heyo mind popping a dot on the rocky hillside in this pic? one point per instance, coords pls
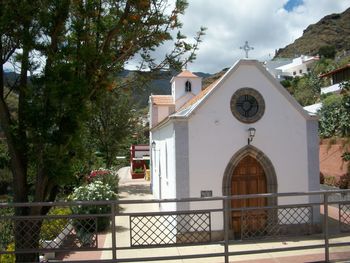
(332, 30)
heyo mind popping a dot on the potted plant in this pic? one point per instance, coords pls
(138, 170)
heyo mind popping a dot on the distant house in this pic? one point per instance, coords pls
(298, 67)
(338, 75)
(273, 65)
(314, 108)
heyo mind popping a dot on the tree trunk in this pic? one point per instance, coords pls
(18, 171)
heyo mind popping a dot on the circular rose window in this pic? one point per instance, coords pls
(247, 105)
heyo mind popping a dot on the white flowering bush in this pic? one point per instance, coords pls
(106, 176)
(95, 191)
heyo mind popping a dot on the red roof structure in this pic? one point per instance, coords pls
(162, 100)
(187, 74)
(330, 73)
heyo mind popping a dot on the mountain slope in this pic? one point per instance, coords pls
(159, 86)
(332, 30)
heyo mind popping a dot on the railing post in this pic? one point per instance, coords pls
(114, 232)
(226, 214)
(325, 226)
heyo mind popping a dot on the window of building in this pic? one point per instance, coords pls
(294, 73)
(300, 71)
(188, 86)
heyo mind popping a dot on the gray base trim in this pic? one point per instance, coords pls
(182, 163)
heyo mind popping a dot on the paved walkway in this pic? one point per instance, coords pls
(139, 189)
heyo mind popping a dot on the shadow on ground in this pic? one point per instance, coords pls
(121, 229)
(138, 189)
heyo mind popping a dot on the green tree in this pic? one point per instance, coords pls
(306, 89)
(335, 123)
(327, 52)
(73, 50)
(111, 123)
(335, 115)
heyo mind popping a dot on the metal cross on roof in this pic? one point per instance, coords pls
(246, 48)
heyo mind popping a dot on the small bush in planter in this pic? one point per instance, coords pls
(95, 191)
(138, 170)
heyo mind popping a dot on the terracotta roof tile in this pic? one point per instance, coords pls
(162, 100)
(187, 74)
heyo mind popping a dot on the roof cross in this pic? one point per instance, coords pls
(246, 48)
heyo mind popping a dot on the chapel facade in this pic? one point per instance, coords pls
(243, 134)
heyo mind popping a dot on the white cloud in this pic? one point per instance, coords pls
(265, 24)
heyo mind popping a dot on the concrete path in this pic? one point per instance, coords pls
(129, 189)
(139, 189)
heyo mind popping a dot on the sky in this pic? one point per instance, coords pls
(267, 25)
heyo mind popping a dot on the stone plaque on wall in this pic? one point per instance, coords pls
(206, 193)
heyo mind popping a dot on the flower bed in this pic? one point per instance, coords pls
(106, 176)
(94, 191)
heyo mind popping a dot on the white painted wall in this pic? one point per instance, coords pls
(178, 86)
(299, 66)
(163, 166)
(215, 135)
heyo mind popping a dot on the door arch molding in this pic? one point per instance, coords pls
(249, 150)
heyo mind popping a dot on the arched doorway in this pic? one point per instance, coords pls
(248, 178)
(260, 178)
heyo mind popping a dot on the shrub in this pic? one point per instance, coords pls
(51, 228)
(327, 51)
(330, 180)
(6, 229)
(335, 114)
(106, 176)
(95, 191)
(344, 181)
(8, 258)
(346, 156)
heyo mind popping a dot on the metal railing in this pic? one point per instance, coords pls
(212, 226)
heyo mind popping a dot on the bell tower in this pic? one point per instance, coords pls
(184, 87)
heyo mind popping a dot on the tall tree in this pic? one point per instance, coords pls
(112, 120)
(76, 48)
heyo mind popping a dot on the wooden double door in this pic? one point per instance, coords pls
(249, 178)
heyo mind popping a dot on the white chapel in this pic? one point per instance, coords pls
(243, 134)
